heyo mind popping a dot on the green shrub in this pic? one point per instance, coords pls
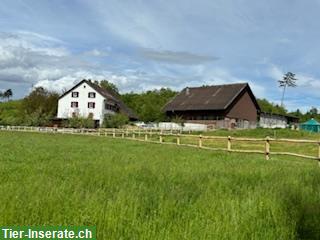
(80, 122)
(115, 120)
(37, 118)
(178, 120)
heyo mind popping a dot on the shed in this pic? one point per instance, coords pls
(311, 125)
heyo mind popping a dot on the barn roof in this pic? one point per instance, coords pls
(109, 94)
(217, 97)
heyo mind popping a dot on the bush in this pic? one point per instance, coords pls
(80, 122)
(37, 118)
(115, 120)
(178, 120)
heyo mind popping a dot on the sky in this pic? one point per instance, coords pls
(148, 44)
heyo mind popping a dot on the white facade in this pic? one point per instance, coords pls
(272, 121)
(67, 110)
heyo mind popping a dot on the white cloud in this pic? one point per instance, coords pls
(184, 58)
(96, 53)
(275, 72)
(42, 61)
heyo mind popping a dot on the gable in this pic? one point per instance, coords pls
(79, 85)
(243, 108)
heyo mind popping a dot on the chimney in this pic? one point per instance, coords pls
(187, 91)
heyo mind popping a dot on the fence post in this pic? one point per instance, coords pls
(319, 153)
(133, 135)
(146, 137)
(160, 137)
(200, 141)
(229, 143)
(178, 139)
(114, 133)
(122, 135)
(267, 148)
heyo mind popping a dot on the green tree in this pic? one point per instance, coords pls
(105, 84)
(288, 80)
(148, 105)
(40, 103)
(7, 94)
(270, 107)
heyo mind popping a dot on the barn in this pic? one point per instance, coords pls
(218, 106)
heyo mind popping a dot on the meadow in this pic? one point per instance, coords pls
(137, 190)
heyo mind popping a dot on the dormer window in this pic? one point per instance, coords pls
(75, 94)
(91, 95)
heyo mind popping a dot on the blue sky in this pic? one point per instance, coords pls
(141, 45)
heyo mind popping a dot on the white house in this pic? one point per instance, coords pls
(88, 99)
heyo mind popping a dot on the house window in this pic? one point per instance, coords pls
(91, 104)
(74, 104)
(111, 107)
(91, 95)
(75, 94)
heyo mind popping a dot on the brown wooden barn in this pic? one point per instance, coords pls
(219, 106)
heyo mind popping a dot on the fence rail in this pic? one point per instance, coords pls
(155, 136)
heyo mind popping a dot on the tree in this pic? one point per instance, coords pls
(270, 107)
(105, 84)
(42, 102)
(288, 80)
(313, 111)
(148, 105)
(7, 94)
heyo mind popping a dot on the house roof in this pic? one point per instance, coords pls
(217, 97)
(109, 94)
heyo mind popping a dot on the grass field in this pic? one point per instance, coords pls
(310, 149)
(135, 190)
(264, 132)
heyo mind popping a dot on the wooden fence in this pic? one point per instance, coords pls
(155, 136)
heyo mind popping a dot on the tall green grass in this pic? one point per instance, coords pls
(264, 132)
(134, 190)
